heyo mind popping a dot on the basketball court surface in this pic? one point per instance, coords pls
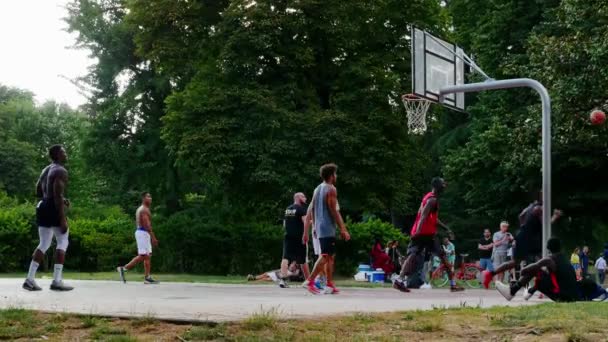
(215, 302)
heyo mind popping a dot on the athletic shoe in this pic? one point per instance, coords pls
(305, 284)
(283, 284)
(121, 271)
(400, 285)
(149, 280)
(60, 286)
(312, 288)
(331, 289)
(456, 288)
(250, 277)
(426, 286)
(504, 290)
(31, 285)
(601, 298)
(527, 295)
(486, 278)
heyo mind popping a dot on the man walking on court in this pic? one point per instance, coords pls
(293, 248)
(324, 211)
(51, 219)
(424, 237)
(527, 242)
(145, 238)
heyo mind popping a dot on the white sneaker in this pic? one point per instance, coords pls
(283, 284)
(504, 290)
(527, 295)
(601, 298)
(426, 286)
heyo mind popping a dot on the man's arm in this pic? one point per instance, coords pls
(308, 218)
(425, 213)
(332, 201)
(58, 190)
(556, 215)
(39, 192)
(499, 242)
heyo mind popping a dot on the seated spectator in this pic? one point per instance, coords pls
(380, 259)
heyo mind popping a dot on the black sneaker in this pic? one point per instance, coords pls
(149, 280)
(60, 286)
(283, 284)
(31, 285)
(121, 271)
(400, 285)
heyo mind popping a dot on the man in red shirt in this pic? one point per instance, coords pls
(424, 237)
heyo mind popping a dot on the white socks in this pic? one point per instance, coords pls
(31, 274)
(58, 274)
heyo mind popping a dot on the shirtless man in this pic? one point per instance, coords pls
(145, 240)
(51, 219)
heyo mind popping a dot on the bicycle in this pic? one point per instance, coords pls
(469, 273)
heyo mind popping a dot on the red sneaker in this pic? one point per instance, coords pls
(312, 288)
(330, 288)
(486, 278)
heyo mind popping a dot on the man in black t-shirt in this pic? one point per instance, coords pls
(485, 247)
(293, 247)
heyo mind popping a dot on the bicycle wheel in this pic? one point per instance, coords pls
(439, 278)
(472, 276)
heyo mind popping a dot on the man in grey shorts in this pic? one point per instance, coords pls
(326, 216)
(501, 240)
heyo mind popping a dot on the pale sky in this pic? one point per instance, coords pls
(35, 50)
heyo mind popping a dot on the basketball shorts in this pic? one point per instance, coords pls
(328, 245)
(294, 250)
(144, 242)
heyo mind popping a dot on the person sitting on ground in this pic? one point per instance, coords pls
(380, 259)
(293, 274)
(555, 278)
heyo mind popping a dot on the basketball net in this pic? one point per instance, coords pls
(416, 108)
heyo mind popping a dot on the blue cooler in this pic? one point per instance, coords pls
(376, 277)
(365, 268)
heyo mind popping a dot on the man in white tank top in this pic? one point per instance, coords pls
(145, 240)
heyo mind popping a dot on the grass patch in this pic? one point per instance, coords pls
(104, 332)
(427, 326)
(89, 321)
(261, 320)
(205, 333)
(148, 319)
(550, 321)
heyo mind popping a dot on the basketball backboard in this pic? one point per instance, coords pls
(436, 64)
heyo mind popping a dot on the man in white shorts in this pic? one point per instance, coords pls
(51, 219)
(145, 239)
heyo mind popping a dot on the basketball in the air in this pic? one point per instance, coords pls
(597, 117)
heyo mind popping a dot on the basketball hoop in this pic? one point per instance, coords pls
(416, 108)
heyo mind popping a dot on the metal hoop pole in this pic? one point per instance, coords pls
(546, 134)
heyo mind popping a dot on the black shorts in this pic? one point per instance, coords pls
(328, 245)
(46, 214)
(425, 243)
(294, 250)
(527, 247)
